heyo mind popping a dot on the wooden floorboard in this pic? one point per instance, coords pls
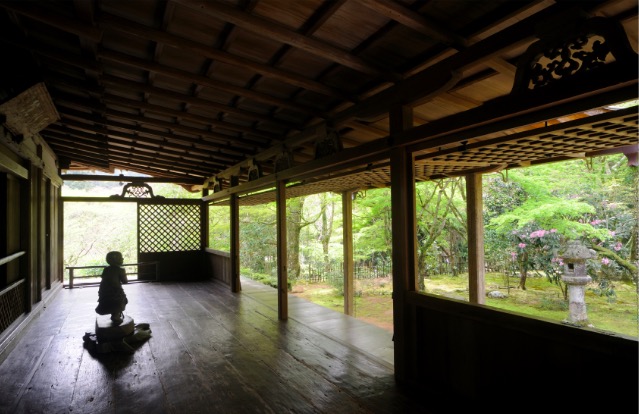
(211, 351)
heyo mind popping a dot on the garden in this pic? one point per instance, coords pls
(529, 215)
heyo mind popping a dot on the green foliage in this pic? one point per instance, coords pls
(174, 191)
(441, 227)
(501, 196)
(372, 224)
(547, 212)
(258, 239)
(220, 228)
(263, 278)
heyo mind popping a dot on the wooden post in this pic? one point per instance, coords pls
(282, 260)
(475, 225)
(404, 243)
(60, 235)
(204, 225)
(234, 248)
(27, 238)
(347, 219)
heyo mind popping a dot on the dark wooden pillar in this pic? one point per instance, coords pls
(403, 244)
(60, 234)
(282, 260)
(475, 225)
(347, 219)
(204, 222)
(49, 209)
(28, 234)
(234, 248)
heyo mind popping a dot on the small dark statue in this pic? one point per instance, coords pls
(111, 297)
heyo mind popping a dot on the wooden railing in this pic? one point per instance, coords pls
(11, 257)
(219, 265)
(73, 276)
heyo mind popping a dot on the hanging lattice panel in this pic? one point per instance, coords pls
(168, 227)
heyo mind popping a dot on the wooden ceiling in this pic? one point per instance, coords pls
(195, 92)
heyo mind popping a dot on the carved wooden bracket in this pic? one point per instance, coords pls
(329, 144)
(254, 170)
(572, 46)
(283, 161)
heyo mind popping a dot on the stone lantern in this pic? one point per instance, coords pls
(575, 277)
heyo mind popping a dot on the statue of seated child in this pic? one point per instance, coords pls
(111, 297)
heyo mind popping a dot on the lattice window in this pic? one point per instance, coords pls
(168, 227)
(11, 305)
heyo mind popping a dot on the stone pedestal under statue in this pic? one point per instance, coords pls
(110, 336)
(106, 330)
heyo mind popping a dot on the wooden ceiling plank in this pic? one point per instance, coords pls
(134, 29)
(70, 25)
(124, 84)
(432, 29)
(55, 54)
(62, 134)
(74, 102)
(131, 103)
(162, 142)
(284, 35)
(204, 81)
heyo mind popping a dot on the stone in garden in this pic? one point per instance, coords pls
(495, 294)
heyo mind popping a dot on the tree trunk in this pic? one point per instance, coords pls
(327, 228)
(294, 228)
(523, 271)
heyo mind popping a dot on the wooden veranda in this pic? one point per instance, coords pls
(253, 101)
(211, 351)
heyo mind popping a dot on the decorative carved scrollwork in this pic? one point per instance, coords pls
(571, 47)
(329, 144)
(136, 190)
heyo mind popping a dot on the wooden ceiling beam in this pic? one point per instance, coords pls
(133, 29)
(176, 144)
(161, 151)
(71, 117)
(432, 29)
(412, 89)
(126, 85)
(417, 22)
(127, 178)
(37, 12)
(83, 104)
(162, 164)
(208, 122)
(281, 34)
(163, 161)
(133, 152)
(57, 55)
(206, 82)
(73, 151)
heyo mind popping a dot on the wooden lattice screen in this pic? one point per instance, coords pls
(11, 304)
(168, 227)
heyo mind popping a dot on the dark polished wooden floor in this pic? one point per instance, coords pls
(211, 351)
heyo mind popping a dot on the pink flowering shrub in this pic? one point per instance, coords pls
(536, 251)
